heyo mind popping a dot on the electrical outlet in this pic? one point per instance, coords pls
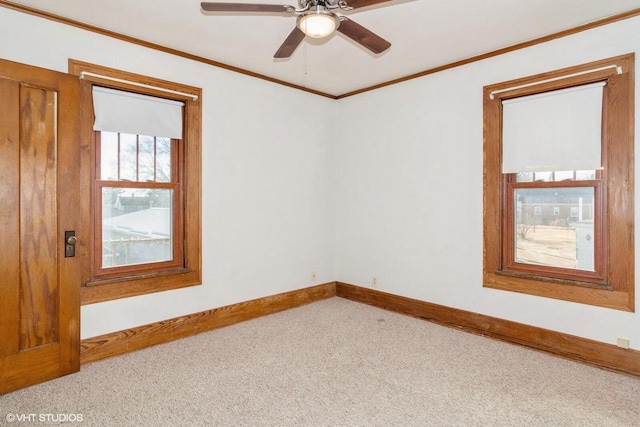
(313, 276)
(374, 282)
(623, 343)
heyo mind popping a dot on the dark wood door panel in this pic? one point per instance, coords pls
(39, 196)
(37, 210)
(9, 220)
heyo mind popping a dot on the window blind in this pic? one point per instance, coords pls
(553, 131)
(126, 112)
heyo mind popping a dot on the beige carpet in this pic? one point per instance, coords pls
(334, 363)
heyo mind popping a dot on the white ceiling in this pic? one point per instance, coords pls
(424, 33)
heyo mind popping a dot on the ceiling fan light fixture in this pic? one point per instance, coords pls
(318, 23)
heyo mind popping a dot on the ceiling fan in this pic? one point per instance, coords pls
(315, 19)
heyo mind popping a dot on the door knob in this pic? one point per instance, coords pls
(70, 241)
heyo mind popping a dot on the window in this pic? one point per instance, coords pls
(558, 184)
(143, 173)
(138, 203)
(574, 213)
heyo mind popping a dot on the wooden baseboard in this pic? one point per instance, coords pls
(101, 347)
(580, 349)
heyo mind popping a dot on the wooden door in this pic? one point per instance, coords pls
(39, 197)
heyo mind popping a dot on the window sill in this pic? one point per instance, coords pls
(567, 290)
(101, 290)
(556, 280)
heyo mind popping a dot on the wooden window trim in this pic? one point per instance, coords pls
(617, 289)
(95, 289)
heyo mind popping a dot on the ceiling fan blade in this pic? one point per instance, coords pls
(364, 3)
(360, 34)
(290, 44)
(245, 7)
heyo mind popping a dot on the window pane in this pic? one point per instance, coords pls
(524, 177)
(584, 175)
(580, 175)
(554, 227)
(136, 226)
(109, 156)
(128, 157)
(163, 159)
(146, 159)
(563, 175)
(543, 176)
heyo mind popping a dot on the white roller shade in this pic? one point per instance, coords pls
(553, 131)
(126, 112)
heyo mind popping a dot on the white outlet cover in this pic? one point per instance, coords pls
(623, 343)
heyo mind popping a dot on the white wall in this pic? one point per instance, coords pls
(410, 188)
(268, 183)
